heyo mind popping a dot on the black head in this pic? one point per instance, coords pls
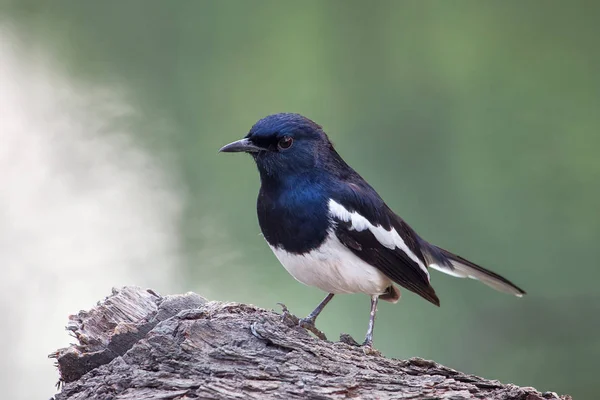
(284, 144)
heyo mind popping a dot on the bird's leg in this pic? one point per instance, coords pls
(313, 315)
(309, 322)
(369, 337)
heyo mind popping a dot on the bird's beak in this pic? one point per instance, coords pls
(244, 145)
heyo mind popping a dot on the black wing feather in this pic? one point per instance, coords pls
(394, 263)
(356, 195)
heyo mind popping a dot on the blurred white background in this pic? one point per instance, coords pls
(82, 208)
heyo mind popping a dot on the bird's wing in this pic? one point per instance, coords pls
(374, 233)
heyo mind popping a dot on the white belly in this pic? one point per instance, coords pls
(333, 268)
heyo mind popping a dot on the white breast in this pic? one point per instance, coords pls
(333, 268)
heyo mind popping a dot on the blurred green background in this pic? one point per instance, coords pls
(478, 122)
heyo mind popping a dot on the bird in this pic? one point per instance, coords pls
(330, 229)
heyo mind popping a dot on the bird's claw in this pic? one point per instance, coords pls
(287, 317)
(305, 323)
(309, 325)
(367, 348)
(370, 351)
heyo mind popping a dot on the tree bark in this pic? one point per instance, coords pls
(137, 345)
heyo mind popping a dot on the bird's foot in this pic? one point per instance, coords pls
(287, 317)
(305, 323)
(370, 351)
(367, 348)
(309, 325)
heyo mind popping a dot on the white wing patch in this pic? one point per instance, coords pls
(390, 239)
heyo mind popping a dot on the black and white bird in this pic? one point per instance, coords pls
(330, 229)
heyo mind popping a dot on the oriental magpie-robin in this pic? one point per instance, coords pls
(330, 229)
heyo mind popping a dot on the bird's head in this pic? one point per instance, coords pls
(284, 145)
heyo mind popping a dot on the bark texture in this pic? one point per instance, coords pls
(138, 345)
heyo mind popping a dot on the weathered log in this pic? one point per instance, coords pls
(137, 345)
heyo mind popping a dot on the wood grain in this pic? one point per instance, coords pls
(137, 345)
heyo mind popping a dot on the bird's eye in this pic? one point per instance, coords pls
(285, 143)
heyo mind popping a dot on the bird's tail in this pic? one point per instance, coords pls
(454, 265)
